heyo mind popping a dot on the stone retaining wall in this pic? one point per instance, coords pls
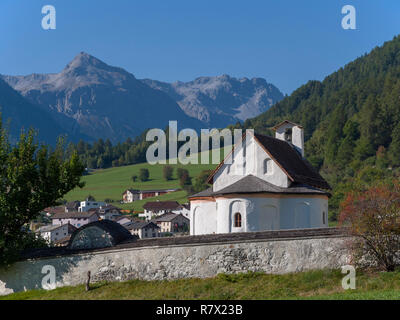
(271, 252)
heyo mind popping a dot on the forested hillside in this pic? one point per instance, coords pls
(351, 120)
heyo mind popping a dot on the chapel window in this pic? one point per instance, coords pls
(238, 220)
(267, 165)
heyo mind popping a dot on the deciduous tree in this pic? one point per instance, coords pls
(32, 177)
(373, 218)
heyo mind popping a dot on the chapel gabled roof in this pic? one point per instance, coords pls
(253, 184)
(297, 168)
(284, 122)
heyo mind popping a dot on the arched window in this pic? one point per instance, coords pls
(267, 166)
(238, 220)
(323, 218)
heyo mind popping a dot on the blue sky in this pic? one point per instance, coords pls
(288, 42)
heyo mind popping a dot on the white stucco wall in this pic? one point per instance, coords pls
(258, 214)
(203, 218)
(254, 165)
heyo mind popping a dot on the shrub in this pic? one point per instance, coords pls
(144, 174)
(167, 172)
(373, 218)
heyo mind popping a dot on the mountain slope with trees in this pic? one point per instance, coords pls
(351, 119)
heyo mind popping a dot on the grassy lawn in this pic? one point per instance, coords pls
(111, 183)
(322, 284)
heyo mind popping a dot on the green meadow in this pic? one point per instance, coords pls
(321, 284)
(111, 183)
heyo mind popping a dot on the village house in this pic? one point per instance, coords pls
(157, 208)
(107, 212)
(267, 184)
(125, 219)
(144, 229)
(72, 206)
(62, 242)
(86, 205)
(54, 233)
(132, 195)
(53, 210)
(172, 223)
(77, 219)
(183, 209)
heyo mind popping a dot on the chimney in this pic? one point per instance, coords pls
(292, 133)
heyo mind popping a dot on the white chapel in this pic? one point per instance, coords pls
(267, 184)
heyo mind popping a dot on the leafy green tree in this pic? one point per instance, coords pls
(32, 178)
(90, 198)
(180, 172)
(134, 178)
(395, 146)
(185, 179)
(144, 174)
(200, 183)
(168, 172)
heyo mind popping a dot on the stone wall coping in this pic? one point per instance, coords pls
(189, 241)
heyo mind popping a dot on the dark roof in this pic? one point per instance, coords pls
(141, 225)
(54, 210)
(110, 207)
(73, 215)
(252, 184)
(132, 191)
(161, 205)
(51, 227)
(166, 217)
(117, 232)
(64, 241)
(285, 121)
(298, 169)
(73, 205)
(105, 209)
(152, 190)
(127, 217)
(186, 206)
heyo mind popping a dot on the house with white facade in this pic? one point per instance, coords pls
(54, 233)
(143, 229)
(172, 223)
(265, 183)
(126, 219)
(86, 205)
(107, 212)
(183, 209)
(132, 195)
(77, 219)
(158, 208)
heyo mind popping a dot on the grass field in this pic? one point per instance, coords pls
(111, 183)
(325, 284)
